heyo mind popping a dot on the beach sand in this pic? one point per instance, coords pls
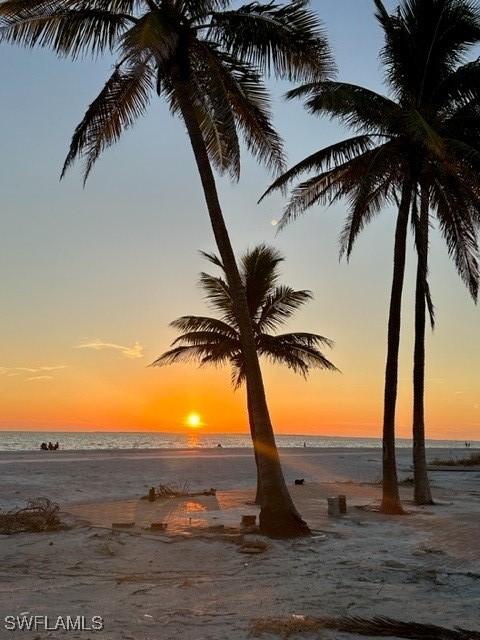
(189, 583)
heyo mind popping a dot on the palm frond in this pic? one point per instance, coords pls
(298, 351)
(123, 99)
(242, 88)
(461, 86)
(279, 305)
(425, 42)
(68, 32)
(325, 188)
(459, 228)
(214, 111)
(217, 293)
(151, 35)
(187, 324)
(200, 9)
(287, 40)
(358, 108)
(374, 180)
(374, 627)
(430, 305)
(322, 160)
(213, 258)
(259, 271)
(375, 168)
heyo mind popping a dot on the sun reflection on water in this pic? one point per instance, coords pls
(193, 439)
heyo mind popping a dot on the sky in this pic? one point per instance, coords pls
(91, 278)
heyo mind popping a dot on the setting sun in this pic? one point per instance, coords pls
(193, 420)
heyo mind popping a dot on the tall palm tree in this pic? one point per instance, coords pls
(206, 60)
(216, 341)
(399, 143)
(426, 42)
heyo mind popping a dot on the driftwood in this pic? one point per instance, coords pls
(377, 627)
(175, 491)
(40, 514)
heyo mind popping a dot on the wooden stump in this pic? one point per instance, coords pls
(248, 521)
(333, 507)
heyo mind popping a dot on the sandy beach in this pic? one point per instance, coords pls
(193, 583)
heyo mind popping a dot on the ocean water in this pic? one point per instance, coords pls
(31, 440)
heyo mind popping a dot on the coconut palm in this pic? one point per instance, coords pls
(217, 341)
(206, 59)
(438, 33)
(400, 147)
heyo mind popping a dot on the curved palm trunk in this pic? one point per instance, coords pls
(258, 493)
(422, 493)
(278, 516)
(391, 497)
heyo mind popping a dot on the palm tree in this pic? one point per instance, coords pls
(217, 341)
(399, 145)
(438, 33)
(206, 60)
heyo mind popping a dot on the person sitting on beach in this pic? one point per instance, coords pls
(56, 446)
(43, 446)
(50, 446)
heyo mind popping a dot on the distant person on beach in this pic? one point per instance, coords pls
(43, 446)
(219, 445)
(56, 446)
(50, 446)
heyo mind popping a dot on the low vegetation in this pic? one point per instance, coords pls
(40, 514)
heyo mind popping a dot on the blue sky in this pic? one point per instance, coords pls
(118, 260)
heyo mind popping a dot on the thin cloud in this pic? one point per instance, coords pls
(133, 352)
(43, 371)
(8, 372)
(38, 369)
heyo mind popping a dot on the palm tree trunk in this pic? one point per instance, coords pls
(258, 493)
(422, 493)
(391, 497)
(278, 516)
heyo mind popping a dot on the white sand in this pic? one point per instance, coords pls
(423, 567)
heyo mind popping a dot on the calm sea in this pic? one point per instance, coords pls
(31, 440)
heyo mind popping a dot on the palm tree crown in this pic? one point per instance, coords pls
(219, 51)
(426, 132)
(217, 340)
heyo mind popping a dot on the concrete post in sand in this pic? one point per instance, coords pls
(248, 521)
(333, 507)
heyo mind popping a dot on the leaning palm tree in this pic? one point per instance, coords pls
(216, 341)
(206, 59)
(398, 144)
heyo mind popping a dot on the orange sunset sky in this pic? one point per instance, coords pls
(91, 278)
